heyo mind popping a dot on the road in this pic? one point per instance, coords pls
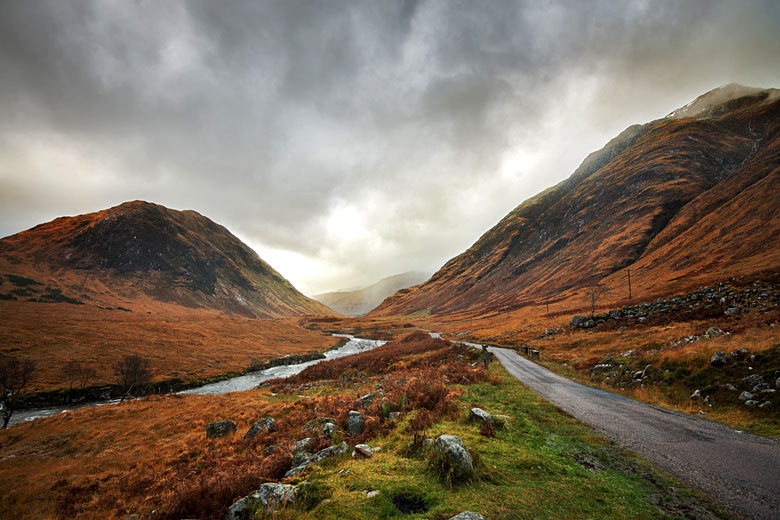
(742, 470)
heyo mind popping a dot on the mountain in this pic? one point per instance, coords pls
(140, 251)
(360, 301)
(685, 199)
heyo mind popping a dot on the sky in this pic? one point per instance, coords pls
(344, 141)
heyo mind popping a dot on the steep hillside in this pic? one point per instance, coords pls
(360, 301)
(139, 251)
(693, 196)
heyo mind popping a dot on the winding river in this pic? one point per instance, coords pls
(235, 384)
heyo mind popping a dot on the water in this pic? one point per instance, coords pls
(235, 384)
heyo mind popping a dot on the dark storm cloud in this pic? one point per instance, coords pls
(346, 141)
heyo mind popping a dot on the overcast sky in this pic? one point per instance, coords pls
(344, 141)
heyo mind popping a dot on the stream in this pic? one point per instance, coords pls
(235, 384)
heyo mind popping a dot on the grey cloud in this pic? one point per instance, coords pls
(272, 117)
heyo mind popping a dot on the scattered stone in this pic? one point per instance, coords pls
(271, 496)
(328, 428)
(765, 404)
(745, 396)
(695, 395)
(731, 387)
(577, 321)
(301, 458)
(355, 423)
(480, 415)
(777, 383)
(713, 331)
(321, 455)
(396, 415)
(427, 443)
(719, 359)
(303, 445)
(751, 403)
(468, 515)
(376, 449)
(731, 311)
(760, 386)
(454, 452)
(372, 494)
(219, 429)
(362, 451)
(740, 353)
(641, 319)
(708, 400)
(752, 380)
(266, 424)
(367, 399)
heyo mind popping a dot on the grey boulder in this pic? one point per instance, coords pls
(719, 359)
(270, 496)
(355, 423)
(455, 454)
(468, 515)
(266, 424)
(480, 415)
(219, 429)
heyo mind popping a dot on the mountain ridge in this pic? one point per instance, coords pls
(360, 301)
(143, 249)
(620, 205)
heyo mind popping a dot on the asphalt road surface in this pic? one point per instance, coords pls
(742, 470)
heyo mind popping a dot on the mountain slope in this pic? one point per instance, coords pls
(693, 194)
(140, 250)
(360, 301)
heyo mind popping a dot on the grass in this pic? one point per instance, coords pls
(542, 464)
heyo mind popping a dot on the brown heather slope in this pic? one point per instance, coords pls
(680, 201)
(137, 252)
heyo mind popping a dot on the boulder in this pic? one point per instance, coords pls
(480, 415)
(362, 451)
(321, 455)
(752, 380)
(740, 353)
(367, 399)
(219, 429)
(777, 383)
(760, 386)
(714, 331)
(745, 396)
(356, 424)
(731, 387)
(266, 424)
(719, 359)
(328, 428)
(751, 403)
(455, 455)
(577, 321)
(468, 515)
(271, 496)
(695, 395)
(303, 445)
(731, 311)
(765, 404)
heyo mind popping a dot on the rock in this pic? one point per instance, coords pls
(362, 451)
(745, 396)
(328, 428)
(427, 443)
(303, 445)
(731, 387)
(765, 404)
(367, 399)
(751, 403)
(761, 386)
(714, 331)
(455, 454)
(372, 494)
(777, 383)
(356, 424)
(588, 324)
(740, 353)
(270, 496)
(577, 321)
(468, 515)
(615, 314)
(331, 451)
(719, 359)
(695, 395)
(708, 400)
(752, 380)
(480, 415)
(731, 311)
(396, 415)
(266, 424)
(641, 319)
(301, 458)
(219, 429)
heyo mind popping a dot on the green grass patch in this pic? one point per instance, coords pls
(21, 281)
(541, 463)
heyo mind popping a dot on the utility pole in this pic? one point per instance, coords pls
(629, 284)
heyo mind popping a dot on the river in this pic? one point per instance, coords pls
(235, 384)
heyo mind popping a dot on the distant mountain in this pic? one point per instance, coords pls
(690, 197)
(360, 301)
(142, 251)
